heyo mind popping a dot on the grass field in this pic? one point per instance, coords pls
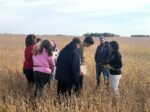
(134, 84)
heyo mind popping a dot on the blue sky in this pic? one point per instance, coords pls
(75, 17)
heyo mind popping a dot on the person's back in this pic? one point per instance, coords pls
(43, 62)
(116, 63)
(66, 61)
(28, 63)
(68, 69)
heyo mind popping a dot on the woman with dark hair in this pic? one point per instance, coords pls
(30, 40)
(28, 63)
(115, 66)
(44, 63)
(68, 68)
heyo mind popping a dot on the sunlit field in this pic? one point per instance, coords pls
(134, 85)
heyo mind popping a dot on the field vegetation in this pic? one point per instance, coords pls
(134, 85)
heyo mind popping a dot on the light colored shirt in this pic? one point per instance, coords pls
(43, 62)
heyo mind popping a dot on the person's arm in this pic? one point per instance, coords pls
(76, 66)
(82, 58)
(96, 54)
(52, 63)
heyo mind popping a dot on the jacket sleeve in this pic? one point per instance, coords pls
(52, 62)
(76, 66)
(96, 54)
(82, 58)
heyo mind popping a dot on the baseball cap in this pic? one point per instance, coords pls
(102, 38)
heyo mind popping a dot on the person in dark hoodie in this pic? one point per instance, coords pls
(115, 67)
(68, 68)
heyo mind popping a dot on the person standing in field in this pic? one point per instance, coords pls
(55, 49)
(115, 66)
(55, 54)
(68, 68)
(28, 63)
(38, 42)
(102, 56)
(44, 63)
(88, 41)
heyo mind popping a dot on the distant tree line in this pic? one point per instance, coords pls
(101, 34)
(140, 35)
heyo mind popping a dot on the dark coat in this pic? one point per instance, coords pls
(68, 64)
(116, 63)
(103, 53)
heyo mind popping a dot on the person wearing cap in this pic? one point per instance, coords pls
(88, 41)
(102, 56)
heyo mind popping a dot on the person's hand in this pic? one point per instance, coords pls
(108, 66)
(81, 73)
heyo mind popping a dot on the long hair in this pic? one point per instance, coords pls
(114, 45)
(30, 40)
(45, 44)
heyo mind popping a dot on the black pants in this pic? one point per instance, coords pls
(40, 80)
(81, 82)
(64, 88)
(29, 75)
(78, 86)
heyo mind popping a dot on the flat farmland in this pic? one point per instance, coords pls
(134, 85)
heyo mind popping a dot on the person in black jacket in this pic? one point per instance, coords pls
(68, 68)
(102, 56)
(115, 66)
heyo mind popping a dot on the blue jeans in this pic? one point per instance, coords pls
(101, 69)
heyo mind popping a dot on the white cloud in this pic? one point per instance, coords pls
(74, 16)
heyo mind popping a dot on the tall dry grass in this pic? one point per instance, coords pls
(134, 84)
